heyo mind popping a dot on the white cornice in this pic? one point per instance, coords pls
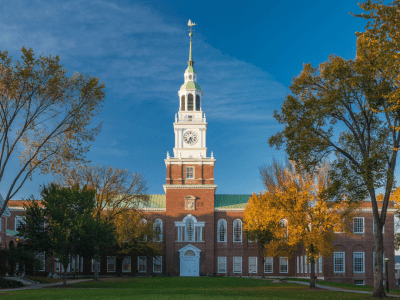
(189, 186)
(152, 209)
(229, 209)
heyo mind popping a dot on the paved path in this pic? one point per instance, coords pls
(39, 286)
(331, 288)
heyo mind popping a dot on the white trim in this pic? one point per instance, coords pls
(157, 259)
(241, 230)
(190, 186)
(223, 221)
(283, 259)
(111, 260)
(320, 264)
(250, 270)
(145, 264)
(229, 209)
(222, 260)
(158, 239)
(98, 265)
(152, 209)
(363, 261)
(269, 261)
(298, 266)
(238, 260)
(363, 224)
(343, 254)
(125, 262)
(187, 171)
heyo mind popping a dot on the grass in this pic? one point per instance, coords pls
(178, 288)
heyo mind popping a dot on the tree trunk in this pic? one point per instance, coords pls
(65, 275)
(96, 270)
(262, 266)
(379, 290)
(312, 274)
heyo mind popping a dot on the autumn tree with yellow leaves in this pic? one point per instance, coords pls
(295, 211)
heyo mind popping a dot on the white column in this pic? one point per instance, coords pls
(204, 138)
(176, 138)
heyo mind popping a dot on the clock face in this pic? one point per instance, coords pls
(190, 137)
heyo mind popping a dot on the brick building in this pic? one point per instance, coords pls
(201, 231)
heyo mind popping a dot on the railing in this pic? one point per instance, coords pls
(193, 120)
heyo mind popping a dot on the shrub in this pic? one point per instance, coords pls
(5, 283)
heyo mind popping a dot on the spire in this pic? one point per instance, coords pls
(191, 62)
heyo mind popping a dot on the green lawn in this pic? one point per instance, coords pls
(177, 288)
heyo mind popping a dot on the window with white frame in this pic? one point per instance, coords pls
(157, 264)
(98, 266)
(110, 264)
(157, 229)
(19, 220)
(283, 265)
(359, 282)
(142, 264)
(305, 263)
(320, 264)
(338, 262)
(222, 264)
(221, 230)
(358, 225)
(252, 265)
(298, 267)
(373, 226)
(41, 256)
(143, 224)
(189, 230)
(268, 264)
(358, 262)
(315, 266)
(189, 172)
(199, 233)
(126, 264)
(237, 264)
(237, 230)
(180, 233)
(301, 264)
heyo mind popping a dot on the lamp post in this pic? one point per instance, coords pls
(387, 274)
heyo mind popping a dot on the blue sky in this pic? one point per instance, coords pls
(245, 53)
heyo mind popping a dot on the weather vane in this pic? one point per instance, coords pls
(190, 24)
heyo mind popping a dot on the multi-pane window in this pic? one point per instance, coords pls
(199, 233)
(301, 264)
(183, 103)
(283, 265)
(221, 231)
(338, 262)
(189, 172)
(157, 228)
(252, 265)
(237, 264)
(126, 264)
(19, 220)
(110, 264)
(142, 264)
(320, 264)
(269, 265)
(189, 234)
(305, 263)
(237, 230)
(358, 262)
(197, 102)
(358, 225)
(222, 264)
(359, 282)
(180, 233)
(298, 269)
(98, 265)
(157, 264)
(41, 256)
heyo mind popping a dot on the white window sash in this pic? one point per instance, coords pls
(98, 266)
(268, 265)
(320, 264)
(111, 264)
(237, 264)
(237, 229)
(126, 262)
(357, 257)
(199, 233)
(157, 264)
(305, 264)
(222, 264)
(252, 265)
(142, 261)
(283, 265)
(339, 262)
(301, 264)
(189, 172)
(358, 225)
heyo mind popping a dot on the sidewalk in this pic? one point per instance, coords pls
(331, 288)
(39, 286)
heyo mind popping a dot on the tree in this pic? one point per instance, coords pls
(117, 190)
(44, 117)
(299, 213)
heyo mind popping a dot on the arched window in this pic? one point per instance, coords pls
(157, 229)
(143, 237)
(190, 102)
(221, 231)
(183, 102)
(197, 102)
(284, 224)
(237, 230)
(189, 230)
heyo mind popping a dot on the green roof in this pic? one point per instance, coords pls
(190, 85)
(155, 201)
(11, 232)
(190, 69)
(231, 201)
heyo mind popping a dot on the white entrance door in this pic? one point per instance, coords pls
(190, 264)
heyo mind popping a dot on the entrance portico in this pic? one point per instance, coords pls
(189, 260)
